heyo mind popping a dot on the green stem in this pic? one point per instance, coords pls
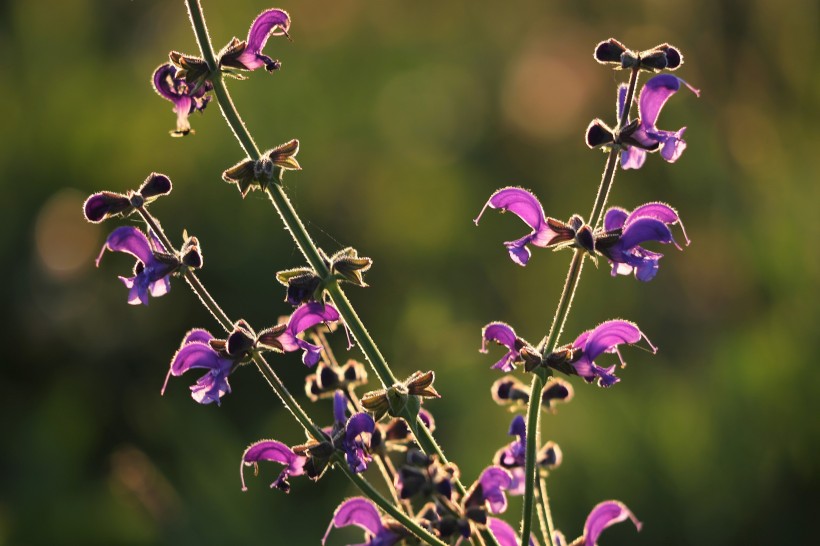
(545, 506)
(549, 343)
(300, 235)
(542, 520)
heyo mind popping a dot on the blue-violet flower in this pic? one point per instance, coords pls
(271, 450)
(186, 100)
(247, 55)
(625, 231)
(363, 513)
(153, 266)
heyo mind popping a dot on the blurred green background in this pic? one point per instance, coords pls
(410, 115)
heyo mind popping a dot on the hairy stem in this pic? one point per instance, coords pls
(303, 240)
(545, 506)
(549, 343)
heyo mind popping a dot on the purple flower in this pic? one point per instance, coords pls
(602, 516)
(248, 55)
(489, 490)
(185, 99)
(355, 440)
(153, 265)
(519, 350)
(513, 456)
(196, 352)
(604, 338)
(363, 513)
(271, 450)
(649, 222)
(504, 533)
(306, 316)
(646, 136)
(527, 207)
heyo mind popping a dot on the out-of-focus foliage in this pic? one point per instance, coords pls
(409, 115)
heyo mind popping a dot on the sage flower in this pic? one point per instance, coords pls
(649, 222)
(361, 512)
(489, 489)
(604, 338)
(646, 136)
(197, 351)
(153, 266)
(271, 450)
(186, 100)
(306, 316)
(519, 350)
(247, 54)
(504, 533)
(602, 516)
(527, 207)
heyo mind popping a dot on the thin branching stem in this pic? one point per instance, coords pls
(303, 240)
(549, 343)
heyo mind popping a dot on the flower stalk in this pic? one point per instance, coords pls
(549, 343)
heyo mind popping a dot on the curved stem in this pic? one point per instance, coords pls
(545, 506)
(303, 240)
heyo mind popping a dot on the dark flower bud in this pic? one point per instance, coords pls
(584, 239)
(354, 372)
(154, 186)
(509, 390)
(241, 174)
(563, 231)
(303, 285)
(662, 57)
(241, 340)
(104, 205)
(191, 253)
(549, 456)
(575, 222)
(476, 514)
(327, 377)
(411, 481)
(556, 390)
(599, 134)
(629, 59)
(263, 171)
(417, 457)
(609, 51)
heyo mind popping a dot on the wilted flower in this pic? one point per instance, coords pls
(186, 99)
(153, 268)
(271, 450)
(625, 231)
(363, 513)
(247, 54)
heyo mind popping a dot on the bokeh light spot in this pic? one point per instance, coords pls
(65, 241)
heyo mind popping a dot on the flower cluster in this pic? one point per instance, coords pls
(387, 426)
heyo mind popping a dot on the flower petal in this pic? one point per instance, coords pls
(642, 230)
(607, 336)
(658, 211)
(195, 355)
(197, 335)
(504, 533)
(273, 22)
(309, 315)
(656, 91)
(602, 516)
(521, 203)
(356, 511)
(615, 218)
(271, 450)
(130, 240)
(163, 79)
(494, 481)
(632, 158)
